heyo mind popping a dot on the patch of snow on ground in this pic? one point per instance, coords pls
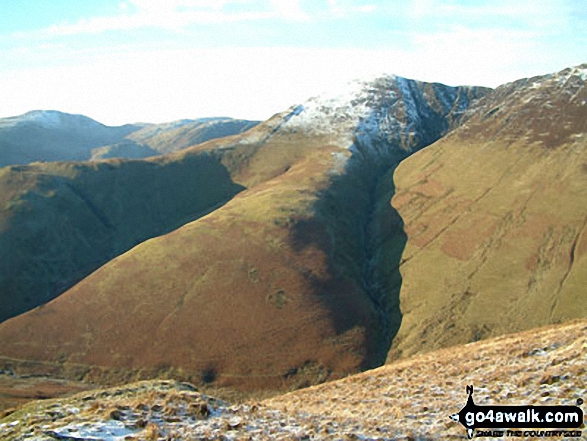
(577, 71)
(110, 430)
(339, 112)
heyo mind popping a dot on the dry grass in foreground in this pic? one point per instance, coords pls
(410, 399)
(414, 397)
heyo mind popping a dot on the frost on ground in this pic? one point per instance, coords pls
(410, 399)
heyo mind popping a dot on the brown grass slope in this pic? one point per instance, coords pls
(495, 215)
(409, 399)
(414, 397)
(231, 295)
(268, 291)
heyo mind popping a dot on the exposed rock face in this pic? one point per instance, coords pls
(495, 215)
(282, 286)
(386, 115)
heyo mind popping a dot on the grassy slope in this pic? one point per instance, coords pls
(62, 221)
(409, 399)
(495, 215)
(293, 319)
(413, 398)
(287, 261)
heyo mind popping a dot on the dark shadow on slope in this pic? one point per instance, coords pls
(78, 216)
(363, 235)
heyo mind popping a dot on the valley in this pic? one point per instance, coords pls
(387, 222)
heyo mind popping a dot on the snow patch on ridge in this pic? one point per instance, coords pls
(385, 116)
(340, 112)
(47, 118)
(577, 71)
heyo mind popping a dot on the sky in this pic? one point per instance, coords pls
(125, 61)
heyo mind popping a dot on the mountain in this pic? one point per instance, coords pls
(388, 218)
(61, 221)
(157, 139)
(495, 215)
(272, 277)
(408, 399)
(48, 135)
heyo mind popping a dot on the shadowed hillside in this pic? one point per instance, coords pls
(62, 221)
(279, 287)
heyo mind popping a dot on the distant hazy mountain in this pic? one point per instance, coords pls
(390, 213)
(48, 135)
(156, 139)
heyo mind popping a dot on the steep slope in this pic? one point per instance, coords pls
(414, 397)
(409, 399)
(495, 216)
(156, 139)
(276, 288)
(61, 221)
(48, 135)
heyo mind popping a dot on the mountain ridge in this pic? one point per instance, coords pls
(50, 136)
(500, 202)
(403, 208)
(303, 228)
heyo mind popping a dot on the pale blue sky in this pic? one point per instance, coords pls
(159, 60)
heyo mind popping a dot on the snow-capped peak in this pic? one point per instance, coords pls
(385, 115)
(47, 118)
(339, 111)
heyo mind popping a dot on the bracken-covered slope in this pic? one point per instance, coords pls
(409, 399)
(495, 216)
(276, 288)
